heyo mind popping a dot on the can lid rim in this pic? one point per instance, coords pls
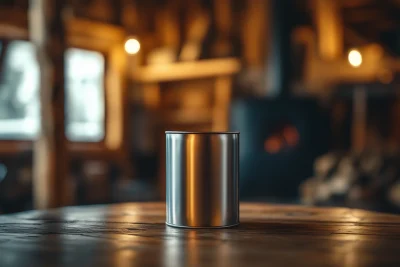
(186, 132)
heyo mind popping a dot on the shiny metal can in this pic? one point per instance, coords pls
(202, 172)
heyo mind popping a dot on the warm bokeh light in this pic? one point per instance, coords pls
(355, 58)
(291, 135)
(286, 137)
(132, 46)
(273, 144)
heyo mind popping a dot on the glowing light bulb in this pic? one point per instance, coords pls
(132, 46)
(355, 58)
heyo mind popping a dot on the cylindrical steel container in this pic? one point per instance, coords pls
(202, 172)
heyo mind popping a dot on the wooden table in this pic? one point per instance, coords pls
(135, 235)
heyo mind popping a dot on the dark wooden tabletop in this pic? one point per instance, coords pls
(135, 235)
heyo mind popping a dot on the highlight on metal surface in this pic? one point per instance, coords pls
(202, 172)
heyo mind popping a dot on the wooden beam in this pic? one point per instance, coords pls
(223, 16)
(254, 29)
(168, 26)
(329, 24)
(197, 24)
(222, 98)
(14, 17)
(187, 70)
(47, 31)
(129, 16)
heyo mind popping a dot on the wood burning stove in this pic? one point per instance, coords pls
(280, 139)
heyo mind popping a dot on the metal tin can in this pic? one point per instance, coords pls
(202, 172)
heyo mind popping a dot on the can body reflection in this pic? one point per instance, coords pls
(202, 172)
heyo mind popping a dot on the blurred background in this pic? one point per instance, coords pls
(88, 87)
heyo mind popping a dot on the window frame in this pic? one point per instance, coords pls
(107, 40)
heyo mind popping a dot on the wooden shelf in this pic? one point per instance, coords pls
(186, 70)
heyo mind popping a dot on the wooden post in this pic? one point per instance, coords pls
(329, 28)
(50, 159)
(222, 45)
(359, 127)
(254, 29)
(222, 96)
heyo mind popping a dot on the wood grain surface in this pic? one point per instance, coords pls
(134, 234)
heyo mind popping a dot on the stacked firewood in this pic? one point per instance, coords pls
(343, 179)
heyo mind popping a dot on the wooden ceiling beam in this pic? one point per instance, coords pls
(362, 15)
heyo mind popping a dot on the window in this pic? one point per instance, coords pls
(19, 93)
(19, 98)
(84, 95)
